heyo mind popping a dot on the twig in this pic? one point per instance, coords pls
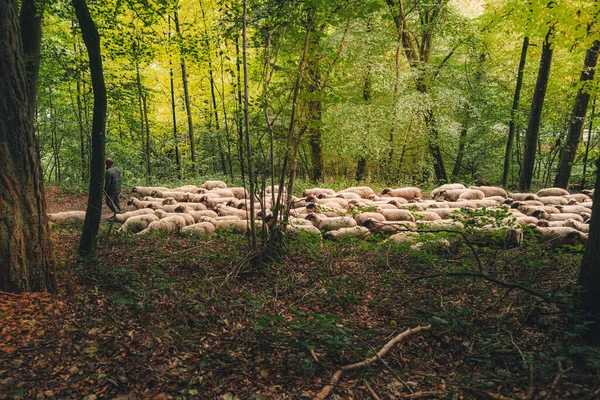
(422, 394)
(498, 301)
(531, 387)
(559, 375)
(326, 391)
(370, 390)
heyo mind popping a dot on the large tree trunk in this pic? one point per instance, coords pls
(186, 93)
(31, 18)
(89, 33)
(26, 258)
(589, 278)
(582, 100)
(535, 115)
(513, 113)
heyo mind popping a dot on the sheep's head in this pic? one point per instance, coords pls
(530, 197)
(134, 190)
(573, 202)
(543, 223)
(311, 207)
(169, 201)
(311, 217)
(151, 206)
(540, 214)
(130, 201)
(516, 204)
(386, 191)
(182, 209)
(372, 196)
(508, 201)
(310, 198)
(369, 224)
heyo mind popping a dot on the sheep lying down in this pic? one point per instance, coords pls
(138, 223)
(67, 217)
(172, 223)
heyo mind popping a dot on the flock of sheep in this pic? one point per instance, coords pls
(554, 214)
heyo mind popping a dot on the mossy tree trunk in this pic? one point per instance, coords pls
(26, 260)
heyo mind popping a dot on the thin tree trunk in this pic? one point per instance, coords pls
(399, 20)
(361, 165)
(315, 131)
(173, 111)
(582, 100)
(253, 241)
(513, 113)
(239, 114)
(587, 145)
(140, 94)
(91, 38)
(535, 115)
(460, 154)
(186, 93)
(81, 132)
(148, 144)
(26, 256)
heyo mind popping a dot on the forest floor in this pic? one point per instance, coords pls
(162, 317)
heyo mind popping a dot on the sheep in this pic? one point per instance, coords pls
(357, 232)
(138, 223)
(160, 213)
(239, 193)
(408, 193)
(237, 226)
(362, 191)
(299, 212)
(203, 213)
(168, 201)
(487, 203)
(523, 196)
(389, 226)
(324, 209)
(524, 202)
(194, 206)
(201, 228)
(343, 203)
(224, 210)
(450, 194)
(212, 202)
(441, 224)
(175, 208)
(588, 192)
(525, 220)
(427, 216)
(187, 189)
(490, 191)
(172, 223)
(146, 190)
(295, 229)
(348, 196)
(585, 228)
(447, 186)
(444, 213)
(223, 193)
(546, 223)
(397, 215)
(499, 199)
(560, 236)
(462, 204)
(210, 185)
(552, 192)
(576, 209)
(121, 218)
(317, 192)
(188, 218)
(554, 200)
(137, 203)
(528, 210)
(404, 237)
(67, 217)
(471, 194)
(564, 217)
(330, 224)
(362, 217)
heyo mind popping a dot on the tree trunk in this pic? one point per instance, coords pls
(582, 100)
(147, 141)
(238, 118)
(589, 278)
(26, 257)
(31, 18)
(315, 131)
(513, 113)
(89, 33)
(535, 115)
(186, 93)
(140, 93)
(460, 154)
(173, 111)
(434, 147)
(587, 144)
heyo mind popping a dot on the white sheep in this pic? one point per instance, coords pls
(554, 200)
(362, 217)
(138, 223)
(210, 185)
(560, 236)
(121, 218)
(523, 196)
(585, 228)
(187, 189)
(172, 223)
(331, 223)
(552, 192)
(202, 213)
(147, 190)
(389, 227)
(317, 192)
(239, 193)
(447, 186)
(490, 191)
(201, 228)
(397, 215)
(67, 217)
(408, 193)
(362, 191)
(356, 231)
(471, 194)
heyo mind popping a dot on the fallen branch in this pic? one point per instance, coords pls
(559, 375)
(326, 391)
(370, 390)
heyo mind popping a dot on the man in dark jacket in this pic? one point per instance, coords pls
(112, 186)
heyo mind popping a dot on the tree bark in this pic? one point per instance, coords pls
(186, 93)
(173, 110)
(587, 144)
(315, 131)
(535, 115)
(147, 141)
(31, 18)
(26, 257)
(580, 107)
(589, 278)
(513, 113)
(91, 38)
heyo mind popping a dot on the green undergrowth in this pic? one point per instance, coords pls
(341, 301)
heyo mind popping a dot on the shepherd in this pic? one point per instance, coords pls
(112, 186)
